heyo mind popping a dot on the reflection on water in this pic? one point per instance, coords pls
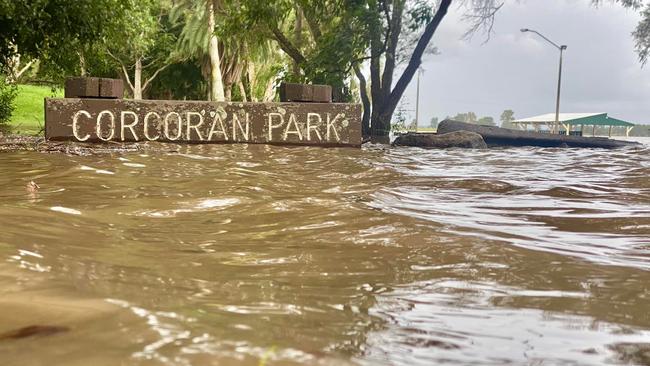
(247, 254)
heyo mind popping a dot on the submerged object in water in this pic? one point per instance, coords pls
(465, 139)
(503, 137)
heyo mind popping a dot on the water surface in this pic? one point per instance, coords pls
(252, 254)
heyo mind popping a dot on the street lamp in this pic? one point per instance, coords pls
(417, 101)
(559, 79)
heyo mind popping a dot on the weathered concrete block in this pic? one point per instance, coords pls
(464, 139)
(82, 87)
(322, 93)
(291, 92)
(111, 88)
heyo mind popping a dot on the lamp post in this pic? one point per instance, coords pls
(559, 79)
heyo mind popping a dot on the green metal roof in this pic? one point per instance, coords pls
(599, 120)
(575, 119)
(618, 122)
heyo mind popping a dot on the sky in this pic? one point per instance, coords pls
(518, 71)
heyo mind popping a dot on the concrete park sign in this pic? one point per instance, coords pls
(120, 120)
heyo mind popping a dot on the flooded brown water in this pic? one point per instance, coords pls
(259, 255)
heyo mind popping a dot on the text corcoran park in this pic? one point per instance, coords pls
(121, 120)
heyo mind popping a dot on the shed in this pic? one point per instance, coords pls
(568, 121)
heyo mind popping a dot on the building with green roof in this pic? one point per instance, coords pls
(570, 121)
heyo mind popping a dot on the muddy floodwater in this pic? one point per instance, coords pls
(261, 255)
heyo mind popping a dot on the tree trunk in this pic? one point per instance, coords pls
(414, 63)
(391, 48)
(365, 100)
(287, 46)
(216, 81)
(252, 80)
(269, 92)
(376, 129)
(137, 80)
(384, 103)
(242, 91)
(298, 40)
(228, 92)
(82, 65)
(18, 74)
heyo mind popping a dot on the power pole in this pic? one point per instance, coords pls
(561, 48)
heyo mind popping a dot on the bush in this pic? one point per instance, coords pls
(8, 94)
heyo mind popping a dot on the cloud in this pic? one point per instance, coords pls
(519, 71)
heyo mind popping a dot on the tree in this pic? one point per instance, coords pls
(35, 28)
(386, 26)
(434, 122)
(462, 117)
(181, 80)
(506, 118)
(469, 117)
(198, 38)
(321, 37)
(398, 124)
(330, 39)
(486, 121)
(141, 44)
(390, 23)
(8, 94)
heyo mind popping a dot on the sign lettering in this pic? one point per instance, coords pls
(88, 120)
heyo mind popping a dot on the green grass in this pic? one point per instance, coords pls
(28, 117)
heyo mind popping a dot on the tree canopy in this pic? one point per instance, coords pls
(38, 27)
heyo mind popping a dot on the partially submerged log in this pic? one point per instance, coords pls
(463, 139)
(503, 137)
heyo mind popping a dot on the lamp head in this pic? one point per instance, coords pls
(523, 30)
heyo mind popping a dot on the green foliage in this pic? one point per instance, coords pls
(76, 59)
(143, 36)
(142, 29)
(399, 122)
(469, 117)
(28, 116)
(486, 121)
(191, 16)
(434, 122)
(182, 81)
(47, 27)
(8, 94)
(642, 36)
(506, 118)
(335, 33)
(642, 32)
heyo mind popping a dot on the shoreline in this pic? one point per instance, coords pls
(13, 143)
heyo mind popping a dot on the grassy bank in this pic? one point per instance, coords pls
(28, 117)
(427, 129)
